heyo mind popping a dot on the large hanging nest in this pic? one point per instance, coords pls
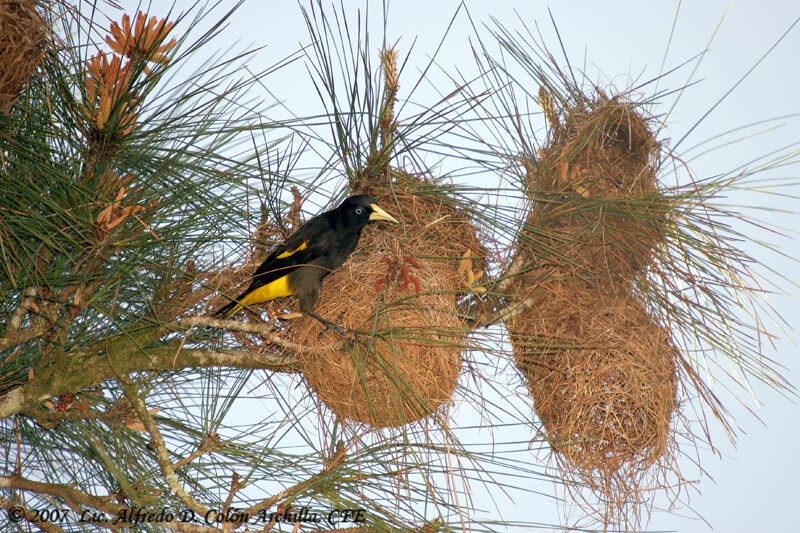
(602, 376)
(401, 287)
(597, 208)
(22, 34)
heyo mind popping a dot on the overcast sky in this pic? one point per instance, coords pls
(754, 486)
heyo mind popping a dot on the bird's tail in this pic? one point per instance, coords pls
(227, 310)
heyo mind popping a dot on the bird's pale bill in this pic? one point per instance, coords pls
(380, 214)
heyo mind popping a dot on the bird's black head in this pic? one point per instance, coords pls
(360, 210)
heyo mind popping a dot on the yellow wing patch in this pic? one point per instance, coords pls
(274, 289)
(287, 253)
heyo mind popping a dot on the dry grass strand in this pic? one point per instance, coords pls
(603, 379)
(597, 207)
(23, 33)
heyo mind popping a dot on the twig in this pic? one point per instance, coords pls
(493, 311)
(13, 333)
(110, 464)
(266, 331)
(162, 455)
(25, 303)
(235, 486)
(28, 398)
(120, 357)
(209, 443)
(295, 489)
(77, 499)
(28, 516)
(8, 340)
(49, 419)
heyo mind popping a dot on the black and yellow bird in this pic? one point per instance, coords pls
(297, 266)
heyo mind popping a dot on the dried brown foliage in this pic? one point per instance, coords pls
(23, 34)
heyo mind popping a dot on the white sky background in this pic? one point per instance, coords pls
(754, 486)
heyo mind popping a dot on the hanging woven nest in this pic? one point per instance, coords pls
(597, 207)
(602, 376)
(22, 36)
(400, 287)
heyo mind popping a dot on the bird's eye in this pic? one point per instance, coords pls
(359, 210)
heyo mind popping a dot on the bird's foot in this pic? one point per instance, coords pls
(331, 325)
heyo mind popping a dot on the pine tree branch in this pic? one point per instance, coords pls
(299, 487)
(236, 486)
(496, 308)
(510, 310)
(209, 443)
(14, 333)
(49, 419)
(162, 454)
(108, 359)
(19, 313)
(126, 488)
(124, 356)
(80, 500)
(266, 331)
(28, 515)
(13, 336)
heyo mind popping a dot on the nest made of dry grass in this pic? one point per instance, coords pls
(408, 366)
(22, 36)
(602, 376)
(597, 205)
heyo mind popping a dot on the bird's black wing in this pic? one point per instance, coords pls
(311, 241)
(303, 247)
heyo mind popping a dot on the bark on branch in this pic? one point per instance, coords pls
(123, 355)
(80, 500)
